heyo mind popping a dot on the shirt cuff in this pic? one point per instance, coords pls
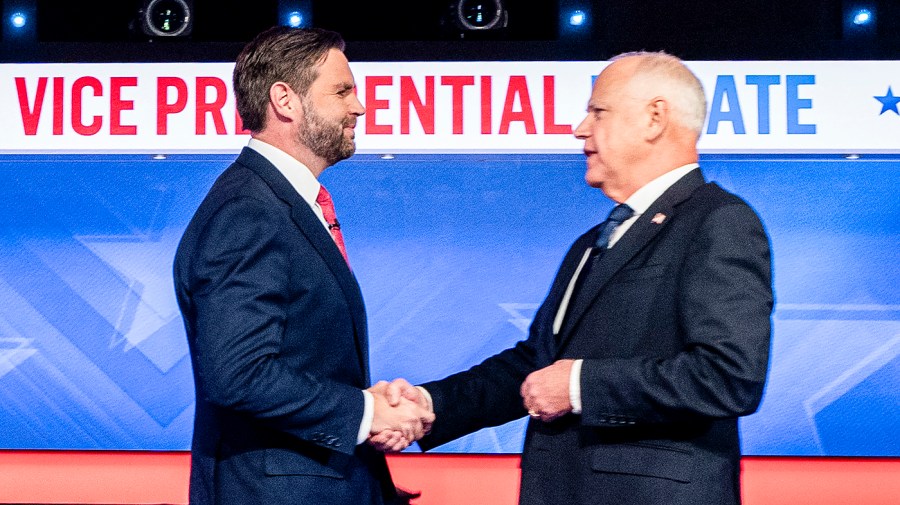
(575, 386)
(365, 426)
(427, 397)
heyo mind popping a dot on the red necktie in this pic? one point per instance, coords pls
(324, 201)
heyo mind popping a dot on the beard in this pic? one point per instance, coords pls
(324, 138)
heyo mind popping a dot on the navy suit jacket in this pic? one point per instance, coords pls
(277, 333)
(674, 326)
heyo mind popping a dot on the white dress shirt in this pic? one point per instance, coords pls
(640, 201)
(307, 186)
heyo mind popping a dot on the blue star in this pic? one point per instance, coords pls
(888, 102)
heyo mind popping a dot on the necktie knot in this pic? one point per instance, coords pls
(617, 216)
(324, 199)
(620, 213)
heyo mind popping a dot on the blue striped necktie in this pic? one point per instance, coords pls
(617, 216)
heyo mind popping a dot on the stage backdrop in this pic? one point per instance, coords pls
(467, 191)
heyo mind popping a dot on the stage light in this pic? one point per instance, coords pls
(862, 17)
(18, 20)
(860, 20)
(577, 18)
(480, 14)
(295, 13)
(167, 18)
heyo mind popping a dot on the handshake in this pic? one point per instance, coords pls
(403, 414)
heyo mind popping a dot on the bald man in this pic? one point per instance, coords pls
(654, 338)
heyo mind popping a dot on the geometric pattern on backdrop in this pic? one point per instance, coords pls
(453, 253)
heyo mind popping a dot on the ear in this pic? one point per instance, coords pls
(281, 99)
(658, 116)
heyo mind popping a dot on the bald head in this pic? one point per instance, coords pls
(644, 119)
(659, 74)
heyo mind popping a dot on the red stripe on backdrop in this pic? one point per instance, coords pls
(76, 477)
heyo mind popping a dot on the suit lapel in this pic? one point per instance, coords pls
(636, 238)
(309, 224)
(321, 240)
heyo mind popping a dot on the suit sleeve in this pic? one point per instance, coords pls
(485, 395)
(724, 303)
(488, 394)
(239, 284)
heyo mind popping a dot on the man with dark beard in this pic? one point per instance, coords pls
(274, 317)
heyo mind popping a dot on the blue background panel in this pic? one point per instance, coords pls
(454, 253)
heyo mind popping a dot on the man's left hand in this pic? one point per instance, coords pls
(546, 391)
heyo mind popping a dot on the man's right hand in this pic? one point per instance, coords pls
(401, 388)
(404, 416)
(398, 393)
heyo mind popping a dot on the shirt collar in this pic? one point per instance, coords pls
(297, 174)
(643, 198)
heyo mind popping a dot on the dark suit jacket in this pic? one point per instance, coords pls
(277, 333)
(674, 326)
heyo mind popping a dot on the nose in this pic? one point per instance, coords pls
(356, 107)
(584, 128)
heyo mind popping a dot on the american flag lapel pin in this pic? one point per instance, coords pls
(658, 218)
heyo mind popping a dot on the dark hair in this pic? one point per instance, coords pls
(278, 54)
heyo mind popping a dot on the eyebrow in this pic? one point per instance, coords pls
(344, 86)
